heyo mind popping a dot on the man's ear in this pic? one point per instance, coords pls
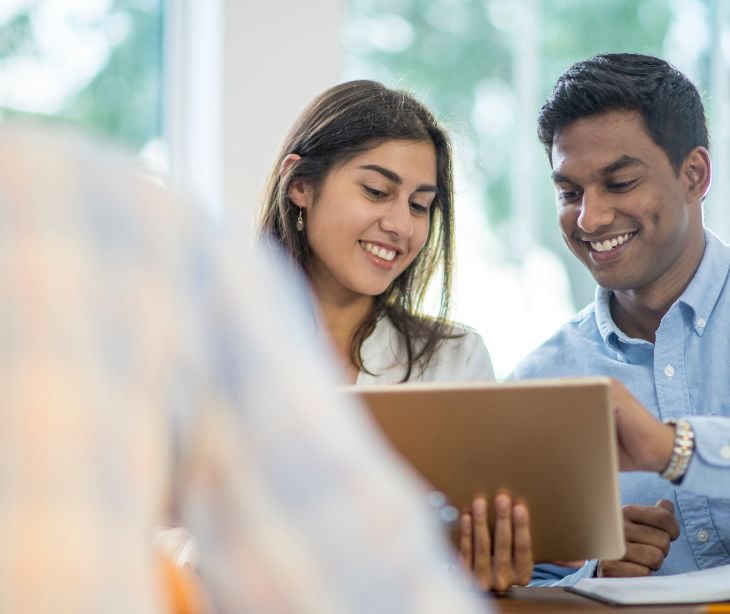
(299, 191)
(697, 168)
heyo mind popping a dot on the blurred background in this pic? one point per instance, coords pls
(204, 91)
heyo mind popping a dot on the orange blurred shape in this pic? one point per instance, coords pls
(183, 588)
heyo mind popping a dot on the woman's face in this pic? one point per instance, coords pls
(370, 218)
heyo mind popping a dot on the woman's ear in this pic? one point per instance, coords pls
(287, 162)
(698, 170)
(299, 191)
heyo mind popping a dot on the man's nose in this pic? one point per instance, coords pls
(595, 213)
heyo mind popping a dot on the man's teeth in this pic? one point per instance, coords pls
(377, 250)
(604, 246)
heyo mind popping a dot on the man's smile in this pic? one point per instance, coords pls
(609, 243)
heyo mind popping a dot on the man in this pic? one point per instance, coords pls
(150, 366)
(626, 138)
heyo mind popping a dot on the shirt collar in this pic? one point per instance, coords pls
(704, 290)
(700, 296)
(606, 326)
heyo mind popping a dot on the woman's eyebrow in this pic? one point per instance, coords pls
(395, 177)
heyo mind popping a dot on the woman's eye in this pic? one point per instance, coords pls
(373, 192)
(419, 209)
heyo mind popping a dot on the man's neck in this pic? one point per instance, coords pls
(638, 313)
(636, 317)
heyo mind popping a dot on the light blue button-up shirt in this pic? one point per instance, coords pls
(685, 373)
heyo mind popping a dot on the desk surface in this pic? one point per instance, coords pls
(558, 601)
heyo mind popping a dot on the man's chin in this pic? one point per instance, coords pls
(608, 282)
(609, 277)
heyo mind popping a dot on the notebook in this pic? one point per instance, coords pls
(550, 443)
(692, 587)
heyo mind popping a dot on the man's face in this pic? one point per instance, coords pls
(622, 208)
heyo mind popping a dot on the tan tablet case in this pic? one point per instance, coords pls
(549, 442)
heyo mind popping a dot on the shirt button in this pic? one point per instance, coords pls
(619, 357)
(703, 535)
(701, 323)
(669, 370)
(725, 451)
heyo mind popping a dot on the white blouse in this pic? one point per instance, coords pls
(462, 359)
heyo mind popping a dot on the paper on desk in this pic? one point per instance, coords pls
(691, 587)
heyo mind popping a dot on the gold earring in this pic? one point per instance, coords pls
(300, 220)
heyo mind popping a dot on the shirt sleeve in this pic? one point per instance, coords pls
(479, 362)
(548, 574)
(709, 470)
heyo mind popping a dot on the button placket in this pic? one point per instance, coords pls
(669, 373)
(697, 520)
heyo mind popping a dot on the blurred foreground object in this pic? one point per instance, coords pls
(153, 371)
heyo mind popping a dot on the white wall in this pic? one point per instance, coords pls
(240, 71)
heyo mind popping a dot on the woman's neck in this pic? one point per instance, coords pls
(342, 319)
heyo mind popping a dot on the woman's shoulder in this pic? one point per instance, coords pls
(462, 356)
(459, 330)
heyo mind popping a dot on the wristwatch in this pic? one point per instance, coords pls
(682, 452)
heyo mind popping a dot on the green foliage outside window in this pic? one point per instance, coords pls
(464, 58)
(123, 99)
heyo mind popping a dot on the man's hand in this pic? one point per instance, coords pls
(645, 443)
(511, 563)
(648, 531)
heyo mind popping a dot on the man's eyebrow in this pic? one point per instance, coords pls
(617, 165)
(395, 178)
(620, 164)
(558, 178)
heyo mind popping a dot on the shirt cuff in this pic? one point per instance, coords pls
(708, 473)
(547, 574)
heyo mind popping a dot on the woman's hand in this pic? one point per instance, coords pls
(509, 561)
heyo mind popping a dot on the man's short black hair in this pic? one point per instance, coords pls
(666, 99)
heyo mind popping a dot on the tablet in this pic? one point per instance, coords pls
(551, 443)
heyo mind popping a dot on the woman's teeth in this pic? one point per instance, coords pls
(377, 250)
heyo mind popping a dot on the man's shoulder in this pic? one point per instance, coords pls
(561, 353)
(581, 327)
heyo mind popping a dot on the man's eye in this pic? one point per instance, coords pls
(569, 195)
(373, 192)
(621, 186)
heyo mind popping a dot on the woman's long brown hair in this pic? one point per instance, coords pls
(338, 125)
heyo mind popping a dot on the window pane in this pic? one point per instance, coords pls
(486, 67)
(95, 64)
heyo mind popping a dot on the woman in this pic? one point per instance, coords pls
(361, 197)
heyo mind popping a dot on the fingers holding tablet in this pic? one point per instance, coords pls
(506, 561)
